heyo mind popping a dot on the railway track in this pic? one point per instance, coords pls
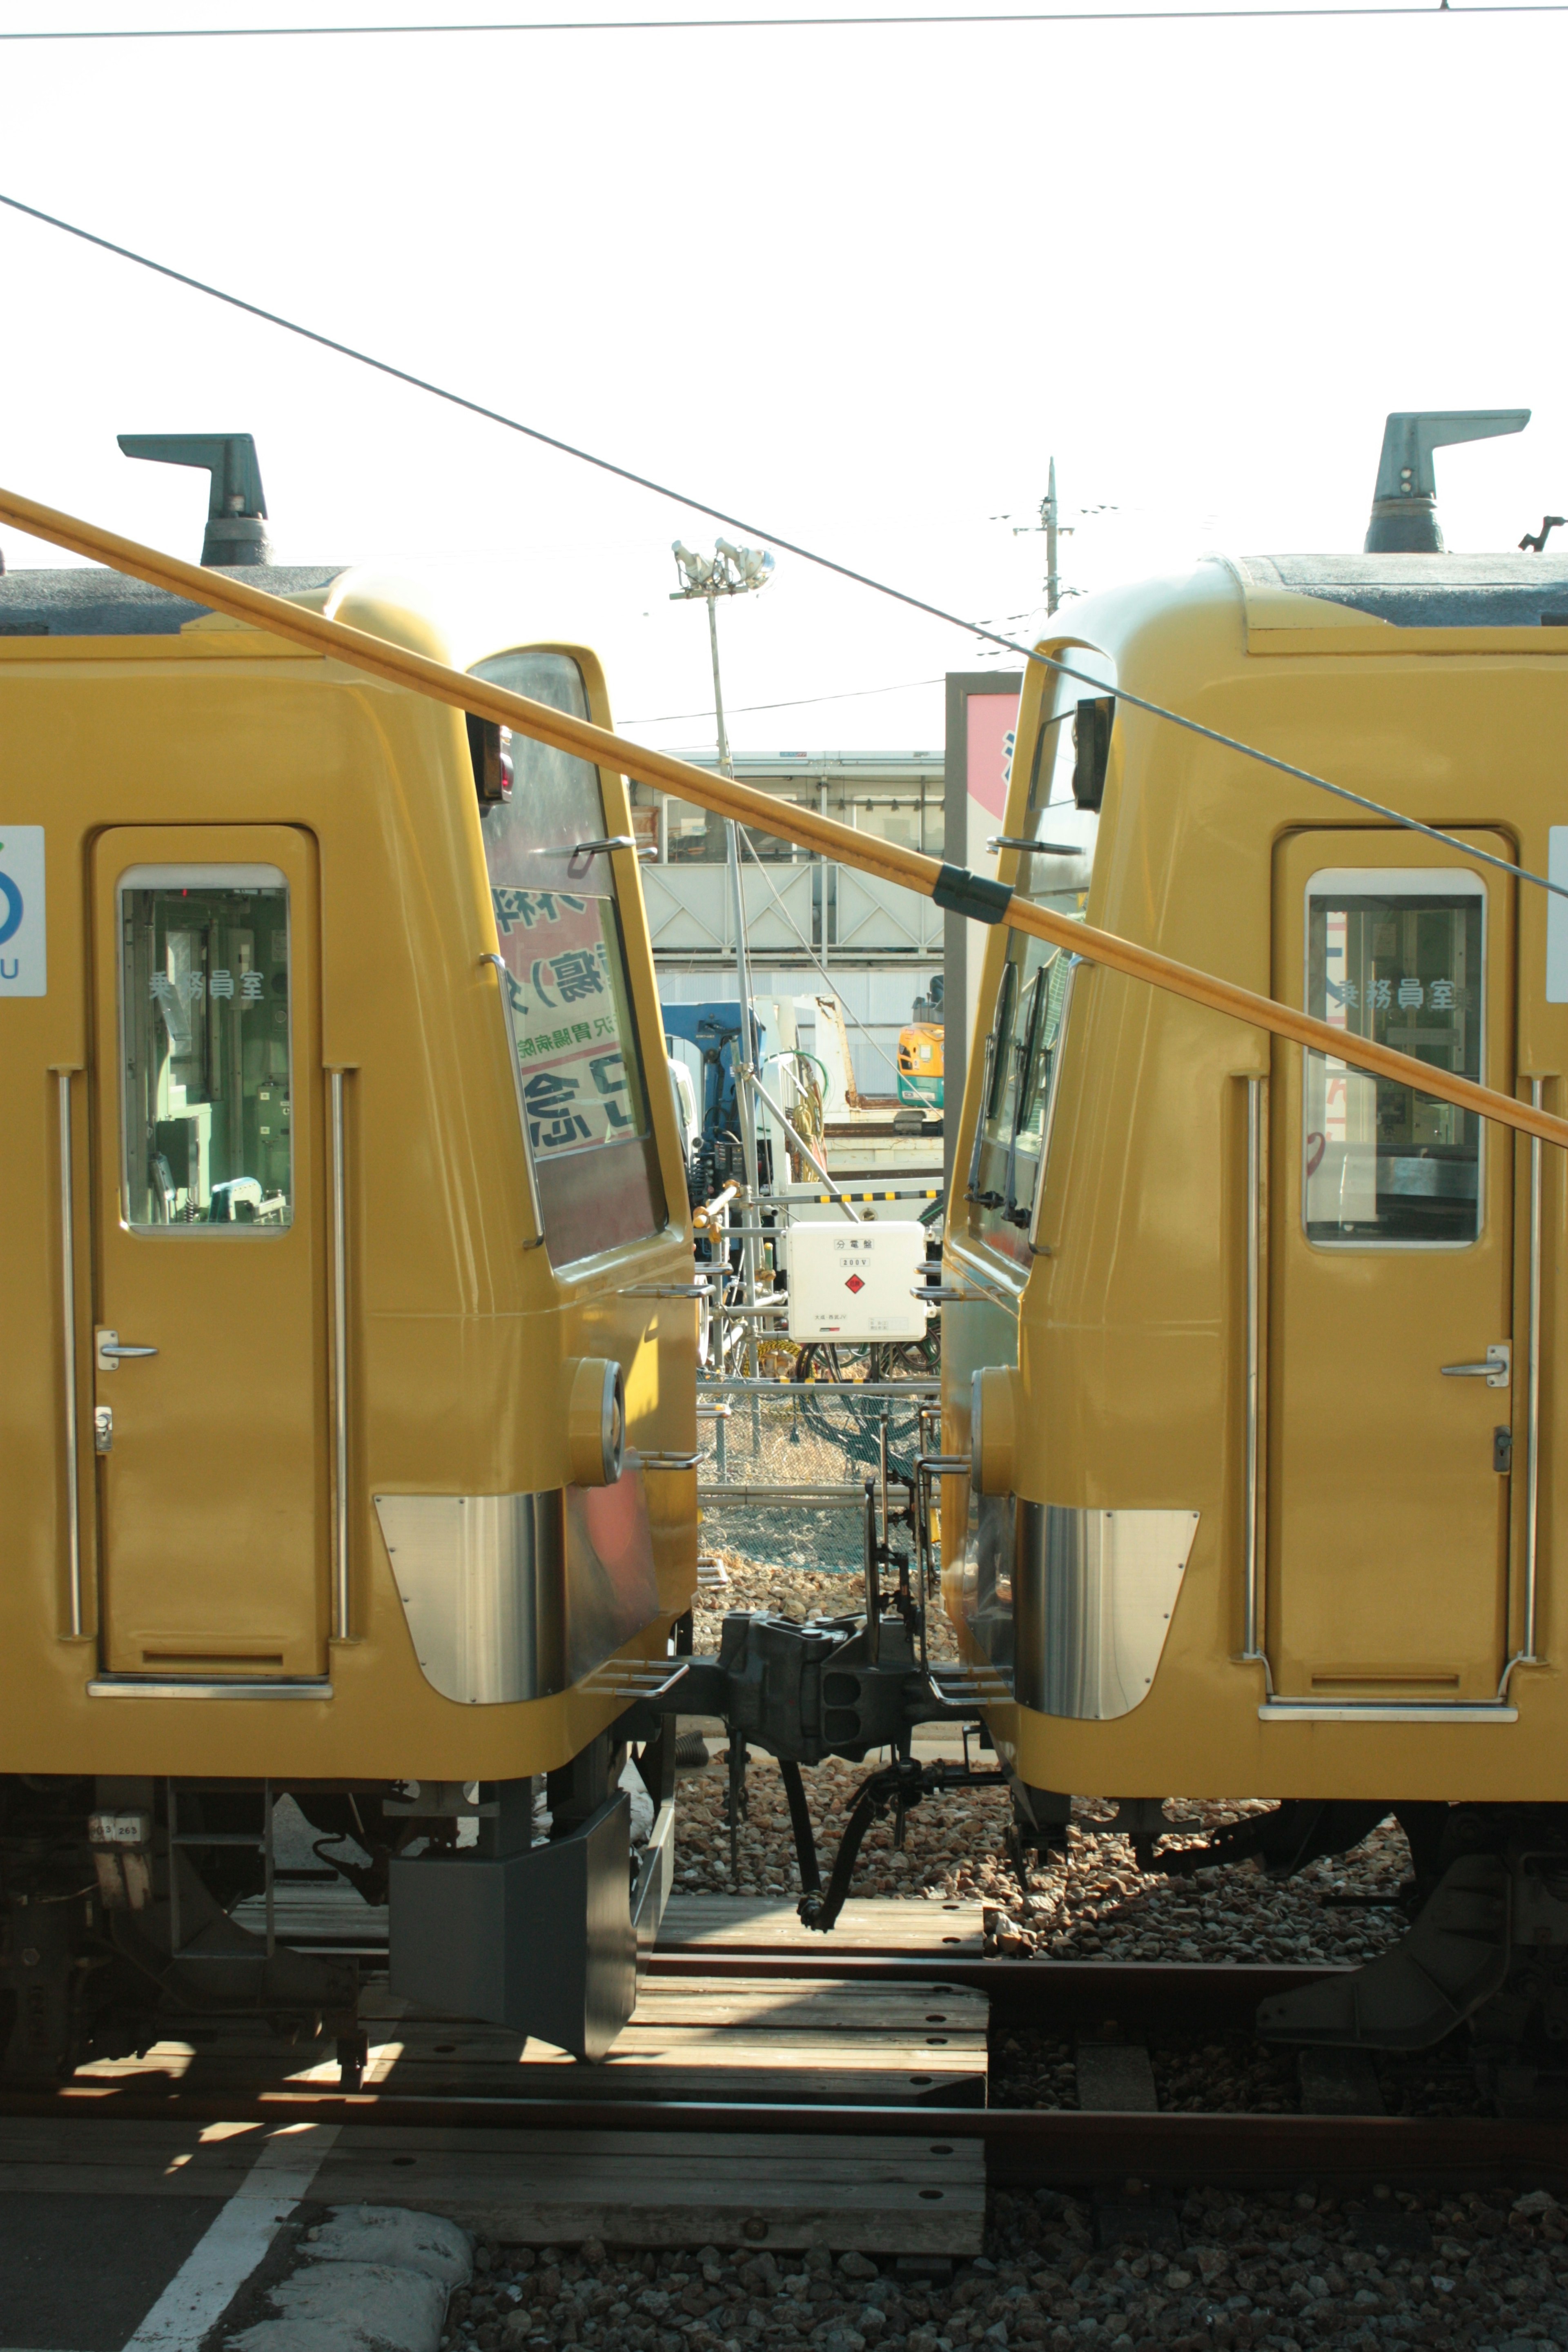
(1021, 2148)
(1157, 2226)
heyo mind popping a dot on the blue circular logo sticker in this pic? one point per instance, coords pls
(11, 901)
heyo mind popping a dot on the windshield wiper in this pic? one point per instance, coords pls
(1024, 1050)
(984, 1200)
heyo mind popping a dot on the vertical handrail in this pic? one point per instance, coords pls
(536, 1207)
(68, 1305)
(1525, 1654)
(339, 1369)
(1533, 1378)
(1251, 1547)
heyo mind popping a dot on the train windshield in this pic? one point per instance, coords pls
(553, 892)
(1021, 1059)
(1398, 957)
(1067, 779)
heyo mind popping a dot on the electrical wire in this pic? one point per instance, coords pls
(783, 23)
(800, 702)
(807, 555)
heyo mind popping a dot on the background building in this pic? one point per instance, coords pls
(882, 946)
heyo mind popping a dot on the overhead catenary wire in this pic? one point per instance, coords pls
(807, 555)
(950, 887)
(773, 23)
(796, 702)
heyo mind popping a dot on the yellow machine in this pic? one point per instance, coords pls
(1258, 1358)
(920, 1064)
(347, 1294)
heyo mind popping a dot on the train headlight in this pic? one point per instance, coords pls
(993, 1425)
(595, 1421)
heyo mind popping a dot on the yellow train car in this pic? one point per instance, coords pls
(349, 1333)
(1258, 1361)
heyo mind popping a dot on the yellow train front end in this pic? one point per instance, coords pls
(1255, 1358)
(350, 1326)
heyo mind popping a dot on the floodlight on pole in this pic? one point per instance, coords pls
(732, 571)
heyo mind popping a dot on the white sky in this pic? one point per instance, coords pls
(854, 285)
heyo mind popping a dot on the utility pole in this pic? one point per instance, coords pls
(1056, 530)
(1048, 517)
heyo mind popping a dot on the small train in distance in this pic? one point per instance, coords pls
(1257, 1360)
(349, 1320)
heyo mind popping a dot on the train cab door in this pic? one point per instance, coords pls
(1390, 1279)
(209, 1380)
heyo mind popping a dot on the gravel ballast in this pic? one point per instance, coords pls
(1389, 2271)
(1093, 1903)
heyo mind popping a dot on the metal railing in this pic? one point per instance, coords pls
(782, 1476)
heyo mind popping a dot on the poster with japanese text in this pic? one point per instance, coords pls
(562, 958)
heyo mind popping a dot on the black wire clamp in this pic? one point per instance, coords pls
(959, 892)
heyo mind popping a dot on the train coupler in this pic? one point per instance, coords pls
(842, 1687)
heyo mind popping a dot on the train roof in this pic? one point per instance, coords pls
(87, 601)
(1421, 592)
(459, 624)
(1420, 603)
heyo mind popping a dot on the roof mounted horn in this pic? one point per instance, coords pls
(1404, 503)
(236, 508)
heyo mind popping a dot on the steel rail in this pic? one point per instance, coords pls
(1041, 1992)
(1024, 2146)
(398, 665)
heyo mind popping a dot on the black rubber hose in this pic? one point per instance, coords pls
(821, 1910)
(905, 1779)
(800, 1823)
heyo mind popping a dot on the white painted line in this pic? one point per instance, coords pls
(216, 2268)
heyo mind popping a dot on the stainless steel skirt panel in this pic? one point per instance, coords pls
(1094, 1593)
(515, 1596)
(482, 1582)
(1073, 1605)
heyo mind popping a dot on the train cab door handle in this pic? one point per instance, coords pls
(108, 1349)
(1495, 1371)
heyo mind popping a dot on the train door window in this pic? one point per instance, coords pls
(1398, 957)
(204, 1023)
(568, 986)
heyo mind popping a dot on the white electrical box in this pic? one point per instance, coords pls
(854, 1282)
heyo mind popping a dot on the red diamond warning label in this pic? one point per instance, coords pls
(854, 1283)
